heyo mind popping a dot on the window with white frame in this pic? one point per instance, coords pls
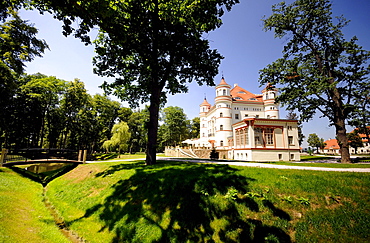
(269, 136)
(258, 136)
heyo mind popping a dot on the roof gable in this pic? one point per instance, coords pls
(240, 94)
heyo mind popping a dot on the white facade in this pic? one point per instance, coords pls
(247, 126)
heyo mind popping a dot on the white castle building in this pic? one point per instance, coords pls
(245, 126)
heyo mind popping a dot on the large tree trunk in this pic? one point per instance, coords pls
(339, 119)
(151, 147)
(342, 141)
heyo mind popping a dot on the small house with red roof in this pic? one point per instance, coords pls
(332, 146)
(246, 126)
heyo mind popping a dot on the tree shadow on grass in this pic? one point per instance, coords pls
(178, 203)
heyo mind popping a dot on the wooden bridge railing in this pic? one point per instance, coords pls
(24, 155)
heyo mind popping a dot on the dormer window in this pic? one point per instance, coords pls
(241, 92)
(252, 99)
(238, 98)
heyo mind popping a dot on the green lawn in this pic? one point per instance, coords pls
(116, 156)
(187, 202)
(23, 215)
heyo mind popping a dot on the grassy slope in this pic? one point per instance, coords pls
(179, 202)
(23, 216)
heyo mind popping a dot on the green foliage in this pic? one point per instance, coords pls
(174, 129)
(304, 201)
(355, 141)
(139, 131)
(231, 194)
(314, 141)
(195, 127)
(49, 112)
(288, 199)
(18, 45)
(119, 139)
(320, 71)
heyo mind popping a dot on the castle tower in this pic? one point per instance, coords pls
(204, 108)
(223, 114)
(271, 108)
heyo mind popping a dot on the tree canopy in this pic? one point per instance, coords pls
(314, 141)
(18, 45)
(355, 140)
(175, 125)
(120, 137)
(150, 47)
(320, 70)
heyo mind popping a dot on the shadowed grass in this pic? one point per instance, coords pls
(185, 202)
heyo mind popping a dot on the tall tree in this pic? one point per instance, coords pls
(175, 126)
(105, 114)
(137, 122)
(355, 141)
(120, 137)
(314, 141)
(47, 90)
(319, 70)
(73, 103)
(152, 47)
(195, 127)
(18, 45)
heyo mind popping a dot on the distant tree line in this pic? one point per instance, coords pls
(47, 112)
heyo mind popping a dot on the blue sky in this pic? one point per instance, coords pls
(241, 40)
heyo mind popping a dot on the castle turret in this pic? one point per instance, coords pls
(271, 108)
(223, 102)
(204, 108)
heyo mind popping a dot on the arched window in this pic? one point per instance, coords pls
(222, 143)
(221, 115)
(221, 127)
(224, 91)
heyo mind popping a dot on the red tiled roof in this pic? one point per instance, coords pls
(223, 83)
(245, 95)
(331, 144)
(205, 103)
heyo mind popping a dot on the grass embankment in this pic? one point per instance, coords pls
(23, 215)
(116, 156)
(187, 202)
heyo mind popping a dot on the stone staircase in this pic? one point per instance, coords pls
(187, 153)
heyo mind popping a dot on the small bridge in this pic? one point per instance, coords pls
(38, 155)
